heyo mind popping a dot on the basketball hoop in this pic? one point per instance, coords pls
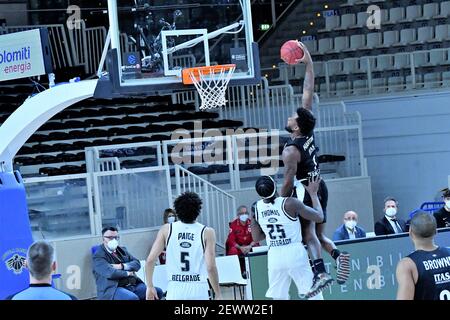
(211, 83)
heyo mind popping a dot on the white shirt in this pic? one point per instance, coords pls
(393, 225)
(351, 233)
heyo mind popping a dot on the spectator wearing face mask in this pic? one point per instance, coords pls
(390, 224)
(240, 239)
(349, 230)
(115, 270)
(169, 216)
(442, 216)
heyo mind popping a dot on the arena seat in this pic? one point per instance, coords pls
(347, 20)
(395, 15)
(444, 11)
(430, 10)
(424, 34)
(331, 23)
(441, 33)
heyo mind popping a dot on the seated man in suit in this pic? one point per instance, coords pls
(349, 230)
(389, 224)
(115, 270)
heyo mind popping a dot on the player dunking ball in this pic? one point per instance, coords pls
(425, 273)
(190, 254)
(301, 164)
(276, 219)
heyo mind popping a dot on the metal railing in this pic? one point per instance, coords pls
(218, 207)
(135, 197)
(132, 198)
(60, 206)
(61, 53)
(248, 104)
(79, 44)
(126, 44)
(202, 152)
(113, 157)
(95, 38)
(78, 205)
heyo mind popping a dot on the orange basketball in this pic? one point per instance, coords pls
(290, 52)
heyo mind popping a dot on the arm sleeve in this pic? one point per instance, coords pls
(439, 222)
(363, 232)
(231, 237)
(134, 264)
(104, 268)
(379, 229)
(336, 235)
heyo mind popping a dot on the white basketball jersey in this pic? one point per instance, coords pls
(185, 260)
(279, 227)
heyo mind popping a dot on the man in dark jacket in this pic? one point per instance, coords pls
(442, 216)
(389, 224)
(349, 230)
(115, 270)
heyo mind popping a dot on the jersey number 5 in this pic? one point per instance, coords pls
(185, 261)
(279, 230)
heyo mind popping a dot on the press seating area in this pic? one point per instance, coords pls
(345, 44)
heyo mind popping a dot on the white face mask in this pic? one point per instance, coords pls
(350, 224)
(113, 244)
(391, 212)
(447, 204)
(243, 217)
(171, 219)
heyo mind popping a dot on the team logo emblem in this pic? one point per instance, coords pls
(15, 260)
(273, 220)
(185, 245)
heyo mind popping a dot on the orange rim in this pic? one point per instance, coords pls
(186, 73)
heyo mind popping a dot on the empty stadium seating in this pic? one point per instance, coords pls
(57, 148)
(418, 28)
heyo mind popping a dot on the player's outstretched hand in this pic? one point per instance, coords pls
(151, 294)
(306, 59)
(313, 185)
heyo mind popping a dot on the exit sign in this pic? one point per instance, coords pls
(264, 27)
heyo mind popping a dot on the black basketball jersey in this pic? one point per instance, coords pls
(308, 165)
(433, 269)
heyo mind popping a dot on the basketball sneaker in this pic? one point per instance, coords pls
(320, 283)
(343, 267)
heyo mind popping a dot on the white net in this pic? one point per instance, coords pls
(212, 86)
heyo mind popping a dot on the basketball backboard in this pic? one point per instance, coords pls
(156, 39)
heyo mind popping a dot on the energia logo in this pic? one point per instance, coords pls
(15, 56)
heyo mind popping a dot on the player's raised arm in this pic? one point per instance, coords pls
(308, 84)
(290, 157)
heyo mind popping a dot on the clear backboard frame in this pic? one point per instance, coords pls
(113, 83)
